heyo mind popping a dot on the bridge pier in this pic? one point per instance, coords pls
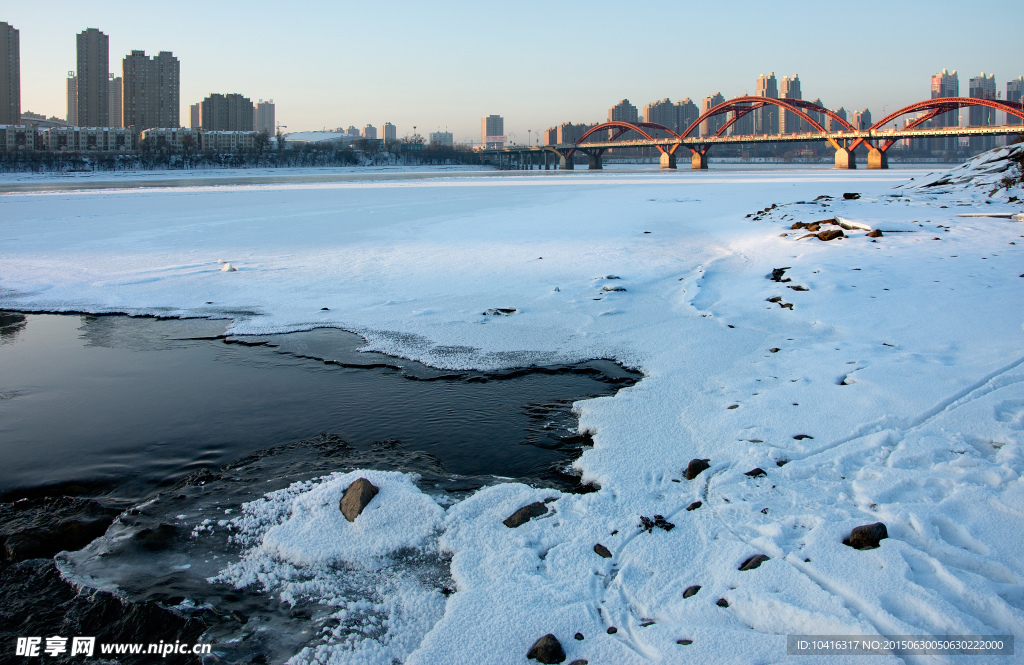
(668, 160)
(699, 161)
(547, 166)
(565, 163)
(845, 159)
(595, 161)
(877, 158)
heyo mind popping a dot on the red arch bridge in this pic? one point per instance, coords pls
(617, 134)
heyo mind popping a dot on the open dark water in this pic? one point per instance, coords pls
(120, 426)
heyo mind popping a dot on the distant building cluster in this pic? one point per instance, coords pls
(114, 113)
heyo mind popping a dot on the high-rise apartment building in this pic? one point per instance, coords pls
(766, 118)
(945, 84)
(92, 79)
(861, 119)
(662, 112)
(982, 87)
(567, 132)
(623, 112)
(789, 122)
(492, 131)
(352, 130)
(686, 113)
(263, 117)
(710, 126)
(388, 132)
(195, 115)
(1015, 94)
(152, 90)
(442, 139)
(10, 75)
(831, 125)
(551, 136)
(114, 101)
(72, 100)
(226, 113)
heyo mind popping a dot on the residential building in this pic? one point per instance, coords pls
(710, 126)
(370, 132)
(831, 125)
(176, 138)
(789, 122)
(442, 139)
(766, 118)
(195, 115)
(88, 139)
(1015, 94)
(263, 117)
(352, 131)
(228, 141)
(152, 90)
(10, 75)
(945, 84)
(982, 87)
(226, 113)
(114, 100)
(623, 112)
(663, 113)
(567, 132)
(72, 99)
(816, 116)
(861, 119)
(551, 136)
(389, 133)
(745, 124)
(21, 137)
(492, 131)
(92, 88)
(686, 114)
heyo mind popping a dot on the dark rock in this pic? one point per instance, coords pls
(602, 551)
(578, 636)
(500, 311)
(647, 524)
(786, 305)
(782, 462)
(754, 562)
(815, 227)
(777, 273)
(684, 642)
(849, 196)
(356, 497)
(798, 225)
(612, 630)
(775, 299)
(325, 309)
(694, 506)
(694, 468)
(799, 287)
(691, 591)
(876, 233)
(722, 602)
(756, 472)
(547, 650)
(831, 234)
(733, 406)
(801, 437)
(647, 623)
(525, 514)
(774, 349)
(866, 537)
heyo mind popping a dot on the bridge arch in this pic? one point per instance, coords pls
(623, 127)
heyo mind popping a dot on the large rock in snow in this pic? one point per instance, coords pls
(356, 497)
(547, 650)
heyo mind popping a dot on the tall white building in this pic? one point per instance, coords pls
(369, 132)
(263, 117)
(388, 132)
(789, 122)
(114, 93)
(982, 87)
(492, 131)
(442, 139)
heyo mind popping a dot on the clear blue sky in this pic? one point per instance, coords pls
(449, 62)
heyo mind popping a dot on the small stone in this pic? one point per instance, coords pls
(602, 551)
(684, 642)
(356, 497)
(849, 196)
(867, 537)
(525, 514)
(722, 602)
(782, 462)
(831, 234)
(801, 437)
(694, 506)
(876, 233)
(547, 650)
(324, 309)
(774, 349)
(691, 591)
(756, 472)
(579, 637)
(579, 661)
(694, 468)
(733, 406)
(612, 630)
(754, 562)
(799, 287)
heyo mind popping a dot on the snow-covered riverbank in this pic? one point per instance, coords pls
(877, 379)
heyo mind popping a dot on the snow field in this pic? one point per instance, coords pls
(892, 391)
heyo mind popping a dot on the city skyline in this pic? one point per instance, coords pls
(444, 68)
